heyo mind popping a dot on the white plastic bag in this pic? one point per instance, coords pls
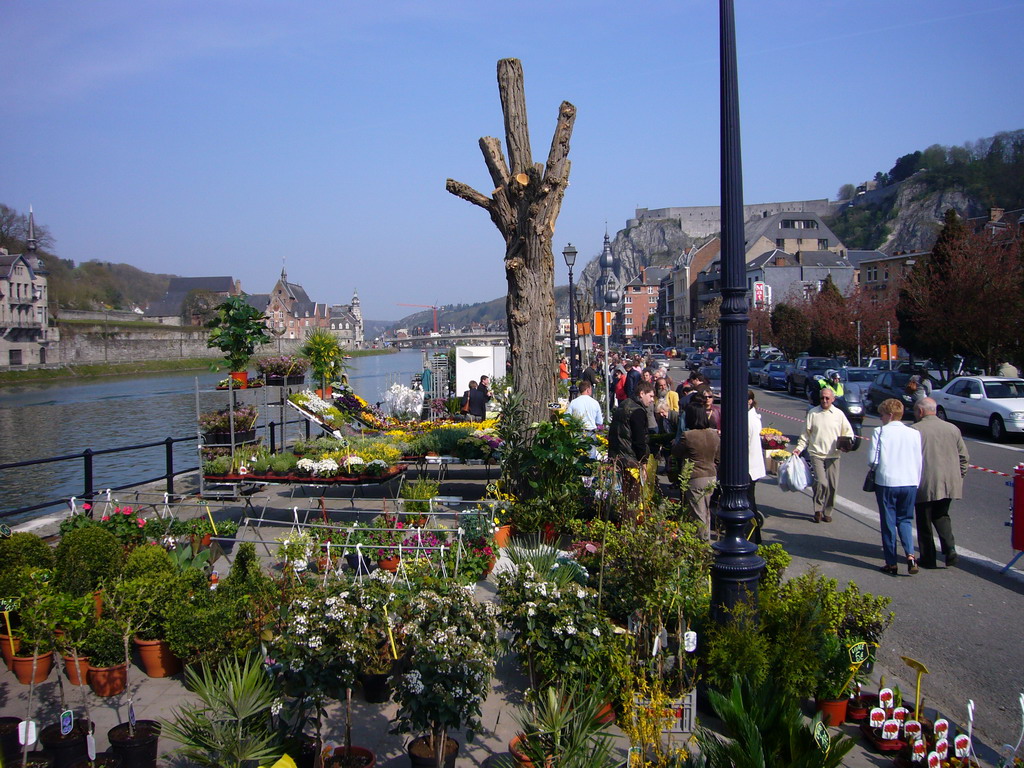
(794, 474)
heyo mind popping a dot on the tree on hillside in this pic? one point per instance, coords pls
(791, 328)
(969, 298)
(524, 206)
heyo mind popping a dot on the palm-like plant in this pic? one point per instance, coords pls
(231, 726)
(236, 330)
(325, 354)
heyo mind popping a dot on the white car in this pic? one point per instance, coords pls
(988, 401)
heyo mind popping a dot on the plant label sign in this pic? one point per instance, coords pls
(900, 713)
(942, 748)
(941, 729)
(962, 745)
(933, 760)
(5, 531)
(876, 717)
(912, 729)
(886, 698)
(891, 729)
(821, 736)
(90, 746)
(858, 653)
(690, 641)
(131, 713)
(27, 732)
(919, 751)
(8, 604)
(67, 722)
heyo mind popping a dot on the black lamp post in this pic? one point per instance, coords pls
(737, 566)
(569, 254)
(581, 341)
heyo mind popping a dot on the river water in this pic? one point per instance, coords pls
(56, 419)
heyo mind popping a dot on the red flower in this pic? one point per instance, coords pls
(105, 518)
(141, 522)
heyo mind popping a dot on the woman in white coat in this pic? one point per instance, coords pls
(755, 462)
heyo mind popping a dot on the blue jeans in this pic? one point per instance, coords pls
(896, 515)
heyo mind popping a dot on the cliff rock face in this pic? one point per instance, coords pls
(643, 243)
(919, 215)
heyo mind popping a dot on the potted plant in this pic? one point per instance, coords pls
(562, 726)
(315, 655)
(142, 604)
(229, 726)
(75, 617)
(85, 558)
(108, 671)
(283, 370)
(236, 330)
(452, 648)
(33, 662)
(228, 426)
(325, 355)
(831, 695)
(417, 495)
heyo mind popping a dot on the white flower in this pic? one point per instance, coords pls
(276, 707)
(315, 642)
(596, 631)
(570, 630)
(306, 465)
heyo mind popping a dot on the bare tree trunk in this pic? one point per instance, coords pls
(524, 207)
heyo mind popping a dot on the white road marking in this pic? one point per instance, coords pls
(872, 514)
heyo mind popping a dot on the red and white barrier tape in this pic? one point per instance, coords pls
(970, 466)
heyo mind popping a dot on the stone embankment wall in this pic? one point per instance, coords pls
(96, 344)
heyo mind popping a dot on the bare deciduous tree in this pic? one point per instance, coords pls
(524, 207)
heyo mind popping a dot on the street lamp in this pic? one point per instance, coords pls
(737, 566)
(611, 300)
(569, 254)
(857, 323)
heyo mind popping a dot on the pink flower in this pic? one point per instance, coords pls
(87, 507)
(105, 518)
(126, 511)
(141, 522)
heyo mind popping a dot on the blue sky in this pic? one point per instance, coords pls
(220, 137)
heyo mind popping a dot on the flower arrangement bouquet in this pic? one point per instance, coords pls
(403, 403)
(318, 467)
(128, 526)
(772, 439)
(481, 444)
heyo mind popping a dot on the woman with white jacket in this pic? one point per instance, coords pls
(755, 461)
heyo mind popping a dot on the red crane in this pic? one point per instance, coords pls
(424, 306)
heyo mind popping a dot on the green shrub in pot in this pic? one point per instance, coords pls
(105, 644)
(25, 550)
(86, 558)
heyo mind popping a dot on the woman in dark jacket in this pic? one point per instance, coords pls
(477, 401)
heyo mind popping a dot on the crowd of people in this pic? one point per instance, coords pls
(916, 471)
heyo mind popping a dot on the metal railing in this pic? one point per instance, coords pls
(89, 490)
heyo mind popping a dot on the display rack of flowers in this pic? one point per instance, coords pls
(452, 650)
(315, 407)
(772, 438)
(480, 444)
(224, 427)
(283, 370)
(233, 383)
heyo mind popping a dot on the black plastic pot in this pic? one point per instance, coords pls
(137, 751)
(375, 687)
(66, 750)
(103, 760)
(9, 745)
(360, 565)
(421, 761)
(37, 759)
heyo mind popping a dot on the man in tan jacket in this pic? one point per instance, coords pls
(942, 480)
(825, 425)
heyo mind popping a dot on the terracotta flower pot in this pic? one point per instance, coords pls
(242, 377)
(390, 563)
(9, 647)
(157, 659)
(24, 666)
(108, 681)
(76, 669)
(502, 536)
(833, 712)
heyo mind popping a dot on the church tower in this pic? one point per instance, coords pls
(608, 281)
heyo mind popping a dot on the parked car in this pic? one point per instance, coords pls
(772, 376)
(754, 366)
(882, 365)
(987, 401)
(889, 384)
(800, 377)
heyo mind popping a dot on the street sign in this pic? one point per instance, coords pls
(762, 295)
(602, 323)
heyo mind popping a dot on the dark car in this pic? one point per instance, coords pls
(713, 374)
(889, 384)
(772, 376)
(754, 366)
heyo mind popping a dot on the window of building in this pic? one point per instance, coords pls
(886, 273)
(780, 243)
(872, 274)
(823, 244)
(628, 300)
(650, 290)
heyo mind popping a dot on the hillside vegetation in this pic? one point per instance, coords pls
(987, 173)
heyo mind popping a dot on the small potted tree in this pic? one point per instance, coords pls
(108, 671)
(453, 644)
(236, 330)
(324, 352)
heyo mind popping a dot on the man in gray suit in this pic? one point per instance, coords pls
(942, 480)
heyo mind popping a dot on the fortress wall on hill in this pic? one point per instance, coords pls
(706, 220)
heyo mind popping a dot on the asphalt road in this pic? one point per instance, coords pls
(966, 624)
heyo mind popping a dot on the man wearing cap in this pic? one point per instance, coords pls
(825, 425)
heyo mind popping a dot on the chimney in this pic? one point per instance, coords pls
(995, 214)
